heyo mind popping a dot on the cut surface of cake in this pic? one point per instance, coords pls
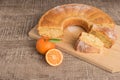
(88, 43)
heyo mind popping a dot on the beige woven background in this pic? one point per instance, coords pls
(19, 59)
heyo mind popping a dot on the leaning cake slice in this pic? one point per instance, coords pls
(88, 43)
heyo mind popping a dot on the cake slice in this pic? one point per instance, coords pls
(105, 33)
(88, 43)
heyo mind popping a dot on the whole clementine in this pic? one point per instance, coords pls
(43, 45)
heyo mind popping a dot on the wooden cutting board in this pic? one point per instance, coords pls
(108, 60)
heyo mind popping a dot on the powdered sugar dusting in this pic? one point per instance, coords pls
(58, 9)
(84, 7)
(77, 7)
(83, 46)
(111, 34)
(69, 7)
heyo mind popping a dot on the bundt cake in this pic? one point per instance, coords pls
(93, 20)
(88, 43)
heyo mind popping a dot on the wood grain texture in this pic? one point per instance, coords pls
(19, 59)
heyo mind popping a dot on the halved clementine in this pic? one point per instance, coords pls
(54, 57)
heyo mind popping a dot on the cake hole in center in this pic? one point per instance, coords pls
(71, 33)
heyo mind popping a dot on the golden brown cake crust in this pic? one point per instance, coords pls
(60, 17)
(57, 16)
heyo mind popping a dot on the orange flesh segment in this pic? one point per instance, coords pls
(54, 57)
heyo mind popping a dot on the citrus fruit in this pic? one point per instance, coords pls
(54, 57)
(43, 45)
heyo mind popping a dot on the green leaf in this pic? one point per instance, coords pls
(54, 40)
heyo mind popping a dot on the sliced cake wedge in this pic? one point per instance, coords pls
(88, 43)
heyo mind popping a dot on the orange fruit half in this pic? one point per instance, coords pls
(54, 57)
